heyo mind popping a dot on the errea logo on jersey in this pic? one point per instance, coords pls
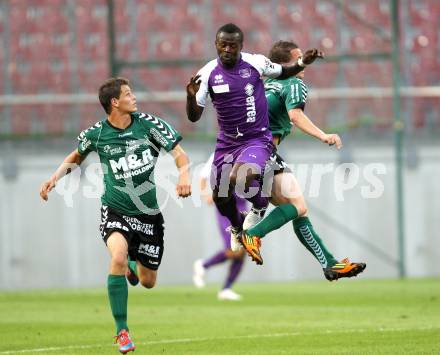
(218, 79)
(249, 89)
(250, 103)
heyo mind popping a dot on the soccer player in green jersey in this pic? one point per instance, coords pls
(286, 103)
(128, 145)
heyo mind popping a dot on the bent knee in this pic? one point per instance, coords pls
(300, 206)
(302, 210)
(147, 282)
(119, 260)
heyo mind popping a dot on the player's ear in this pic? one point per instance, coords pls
(114, 101)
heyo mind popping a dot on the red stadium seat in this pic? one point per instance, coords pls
(322, 74)
(44, 56)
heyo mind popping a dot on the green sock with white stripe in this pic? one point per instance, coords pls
(311, 240)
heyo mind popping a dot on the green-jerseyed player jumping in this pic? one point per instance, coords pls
(128, 145)
(286, 101)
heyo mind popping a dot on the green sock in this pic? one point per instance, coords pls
(275, 219)
(133, 266)
(310, 239)
(118, 295)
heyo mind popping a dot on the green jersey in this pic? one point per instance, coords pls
(282, 96)
(128, 157)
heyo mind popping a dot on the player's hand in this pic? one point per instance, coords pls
(311, 54)
(193, 85)
(183, 187)
(47, 187)
(332, 139)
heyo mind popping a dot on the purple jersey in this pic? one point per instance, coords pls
(238, 95)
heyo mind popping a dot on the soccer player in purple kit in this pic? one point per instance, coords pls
(244, 143)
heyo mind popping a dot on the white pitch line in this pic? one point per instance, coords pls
(189, 340)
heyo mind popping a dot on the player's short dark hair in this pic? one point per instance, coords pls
(231, 28)
(280, 51)
(109, 90)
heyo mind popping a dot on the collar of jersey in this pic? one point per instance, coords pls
(219, 62)
(121, 129)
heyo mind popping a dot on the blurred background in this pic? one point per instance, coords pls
(379, 88)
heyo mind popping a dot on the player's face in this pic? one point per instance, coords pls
(228, 47)
(127, 100)
(297, 53)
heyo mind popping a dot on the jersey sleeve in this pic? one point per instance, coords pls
(263, 64)
(295, 95)
(161, 132)
(87, 140)
(204, 73)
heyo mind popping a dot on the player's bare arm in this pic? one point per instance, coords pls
(300, 120)
(72, 161)
(193, 111)
(308, 58)
(183, 187)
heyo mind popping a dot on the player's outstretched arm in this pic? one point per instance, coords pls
(300, 120)
(73, 160)
(308, 58)
(183, 187)
(193, 111)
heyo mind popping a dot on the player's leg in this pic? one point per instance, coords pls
(285, 212)
(234, 271)
(222, 194)
(289, 205)
(117, 288)
(147, 276)
(247, 171)
(200, 266)
(237, 261)
(246, 176)
(147, 247)
(286, 189)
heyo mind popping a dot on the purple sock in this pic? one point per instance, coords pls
(234, 271)
(215, 259)
(258, 201)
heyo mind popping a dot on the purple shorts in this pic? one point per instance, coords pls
(228, 151)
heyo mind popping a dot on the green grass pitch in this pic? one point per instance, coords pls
(344, 317)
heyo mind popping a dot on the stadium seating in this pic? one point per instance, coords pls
(62, 47)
